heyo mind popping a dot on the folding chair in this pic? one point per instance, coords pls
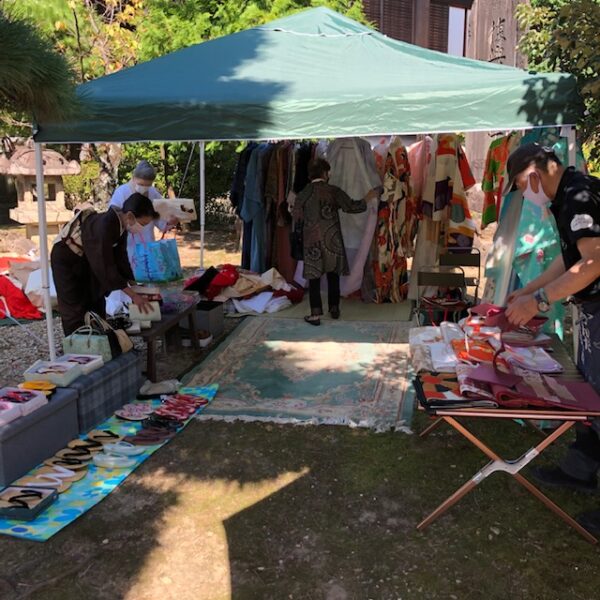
(439, 277)
(469, 258)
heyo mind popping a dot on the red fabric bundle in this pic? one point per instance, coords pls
(18, 304)
(227, 276)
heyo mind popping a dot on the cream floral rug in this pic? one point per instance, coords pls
(284, 370)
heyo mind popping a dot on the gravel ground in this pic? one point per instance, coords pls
(19, 348)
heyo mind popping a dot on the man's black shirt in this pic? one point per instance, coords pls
(576, 209)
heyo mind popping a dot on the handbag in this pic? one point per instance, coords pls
(156, 261)
(87, 340)
(297, 240)
(118, 339)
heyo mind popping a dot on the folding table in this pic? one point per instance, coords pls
(513, 467)
(169, 322)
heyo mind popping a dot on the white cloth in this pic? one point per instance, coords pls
(443, 357)
(117, 302)
(35, 291)
(261, 303)
(349, 175)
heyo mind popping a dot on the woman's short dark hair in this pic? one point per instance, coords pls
(140, 206)
(318, 168)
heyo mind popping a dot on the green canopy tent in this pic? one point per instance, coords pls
(316, 74)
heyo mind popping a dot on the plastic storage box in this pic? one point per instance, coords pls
(36, 399)
(59, 373)
(105, 390)
(31, 439)
(87, 362)
(209, 316)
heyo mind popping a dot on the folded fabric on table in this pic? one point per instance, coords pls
(495, 316)
(442, 390)
(419, 340)
(443, 357)
(532, 358)
(471, 387)
(539, 390)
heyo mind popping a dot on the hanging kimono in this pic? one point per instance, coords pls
(447, 220)
(524, 251)
(353, 169)
(253, 209)
(396, 220)
(380, 151)
(494, 176)
(281, 252)
(236, 197)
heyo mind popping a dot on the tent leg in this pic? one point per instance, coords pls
(202, 202)
(43, 235)
(572, 147)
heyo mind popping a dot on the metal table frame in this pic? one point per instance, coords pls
(498, 464)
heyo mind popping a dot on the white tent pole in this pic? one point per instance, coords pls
(43, 236)
(202, 203)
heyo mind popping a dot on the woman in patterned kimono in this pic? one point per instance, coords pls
(317, 206)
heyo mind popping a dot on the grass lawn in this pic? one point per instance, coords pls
(261, 511)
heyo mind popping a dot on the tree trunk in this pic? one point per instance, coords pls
(164, 156)
(108, 157)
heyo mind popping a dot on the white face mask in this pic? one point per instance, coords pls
(142, 189)
(135, 228)
(539, 198)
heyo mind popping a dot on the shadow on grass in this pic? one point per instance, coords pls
(247, 511)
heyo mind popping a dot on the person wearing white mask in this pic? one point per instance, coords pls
(141, 182)
(574, 200)
(89, 260)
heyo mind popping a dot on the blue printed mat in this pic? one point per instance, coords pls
(94, 487)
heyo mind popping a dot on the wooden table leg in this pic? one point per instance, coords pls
(513, 468)
(151, 359)
(436, 423)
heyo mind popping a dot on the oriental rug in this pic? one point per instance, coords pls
(285, 370)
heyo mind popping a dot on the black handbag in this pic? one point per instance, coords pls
(297, 240)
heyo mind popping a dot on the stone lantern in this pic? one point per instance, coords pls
(20, 165)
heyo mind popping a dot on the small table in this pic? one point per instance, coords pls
(161, 328)
(512, 467)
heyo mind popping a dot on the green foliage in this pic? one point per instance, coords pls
(101, 36)
(80, 188)
(220, 159)
(35, 80)
(563, 36)
(169, 26)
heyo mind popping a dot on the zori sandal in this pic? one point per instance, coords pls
(45, 481)
(41, 386)
(79, 453)
(89, 445)
(128, 413)
(20, 498)
(113, 461)
(124, 448)
(157, 422)
(66, 474)
(104, 436)
(70, 463)
(149, 437)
